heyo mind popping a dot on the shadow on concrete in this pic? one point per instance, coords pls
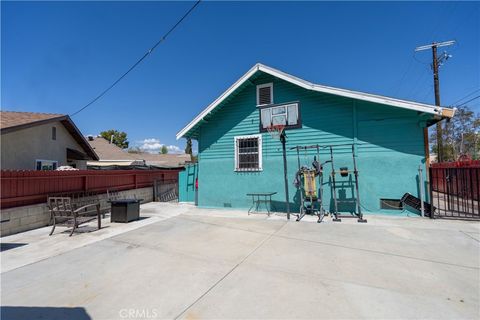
(84, 229)
(4, 246)
(50, 313)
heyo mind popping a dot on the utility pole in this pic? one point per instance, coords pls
(436, 63)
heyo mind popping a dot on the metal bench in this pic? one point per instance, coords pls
(68, 213)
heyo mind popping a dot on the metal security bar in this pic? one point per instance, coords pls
(455, 192)
(248, 154)
(166, 191)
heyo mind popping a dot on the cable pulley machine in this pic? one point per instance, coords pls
(344, 172)
(311, 195)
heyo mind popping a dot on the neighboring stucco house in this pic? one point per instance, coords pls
(237, 156)
(42, 141)
(113, 157)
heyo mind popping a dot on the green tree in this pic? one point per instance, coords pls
(119, 137)
(164, 150)
(188, 147)
(460, 136)
(134, 150)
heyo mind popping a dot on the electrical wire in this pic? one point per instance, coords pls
(420, 84)
(407, 70)
(163, 38)
(468, 95)
(448, 13)
(461, 105)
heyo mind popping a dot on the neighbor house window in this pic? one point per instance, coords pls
(46, 165)
(54, 133)
(264, 94)
(248, 153)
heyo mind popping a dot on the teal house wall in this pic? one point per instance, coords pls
(389, 144)
(186, 183)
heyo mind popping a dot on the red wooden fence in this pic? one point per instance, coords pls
(457, 164)
(456, 178)
(19, 188)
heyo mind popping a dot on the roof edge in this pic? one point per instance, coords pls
(79, 137)
(405, 104)
(217, 101)
(32, 124)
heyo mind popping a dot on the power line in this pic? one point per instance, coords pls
(461, 105)
(449, 11)
(419, 83)
(163, 38)
(403, 76)
(468, 95)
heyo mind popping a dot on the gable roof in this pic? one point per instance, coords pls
(13, 120)
(411, 105)
(165, 160)
(110, 152)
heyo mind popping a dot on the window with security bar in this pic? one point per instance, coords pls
(248, 153)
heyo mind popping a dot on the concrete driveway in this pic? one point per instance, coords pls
(184, 262)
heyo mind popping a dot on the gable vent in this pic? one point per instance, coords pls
(264, 94)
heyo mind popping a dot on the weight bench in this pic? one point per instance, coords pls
(65, 212)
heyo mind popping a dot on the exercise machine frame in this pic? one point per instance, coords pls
(321, 212)
(358, 213)
(307, 203)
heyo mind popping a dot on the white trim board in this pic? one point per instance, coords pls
(411, 105)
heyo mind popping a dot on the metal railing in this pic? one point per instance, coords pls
(455, 192)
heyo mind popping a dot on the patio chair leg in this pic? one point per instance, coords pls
(74, 226)
(53, 229)
(73, 230)
(99, 218)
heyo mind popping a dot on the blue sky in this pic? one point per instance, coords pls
(57, 56)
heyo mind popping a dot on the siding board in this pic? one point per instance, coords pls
(389, 147)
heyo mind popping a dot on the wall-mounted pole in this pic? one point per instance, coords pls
(420, 187)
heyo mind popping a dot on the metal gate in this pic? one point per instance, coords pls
(166, 190)
(455, 192)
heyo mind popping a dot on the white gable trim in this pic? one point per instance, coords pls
(426, 108)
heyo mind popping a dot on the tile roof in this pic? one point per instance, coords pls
(9, 119)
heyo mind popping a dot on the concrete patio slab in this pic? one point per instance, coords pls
(37, 245)
(217, 264)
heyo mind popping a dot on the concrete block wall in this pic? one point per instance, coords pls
(19, 219)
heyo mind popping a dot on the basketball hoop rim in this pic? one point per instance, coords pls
(276, 130)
